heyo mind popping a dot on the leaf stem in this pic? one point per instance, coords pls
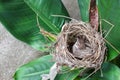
(93, 15)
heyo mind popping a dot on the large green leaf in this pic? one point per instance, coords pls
(109, 71)
(20, 20)
(34, 69)
(110, 12)
(45, 9)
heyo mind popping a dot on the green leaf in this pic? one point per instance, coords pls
(116, 61)
(34, 69)
(109, 71)
(71, 75)
(20, 20)
(84, 9)
(45, 9)
(110, 12)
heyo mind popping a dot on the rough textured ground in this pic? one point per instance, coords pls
(14, 53)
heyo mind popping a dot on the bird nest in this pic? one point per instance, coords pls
(79, 46)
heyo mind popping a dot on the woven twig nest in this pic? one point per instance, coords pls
(79, 46)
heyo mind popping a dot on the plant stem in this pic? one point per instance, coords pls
(93, 12)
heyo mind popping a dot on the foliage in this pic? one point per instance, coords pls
(108, 72)
(21, 21)
(34, 70)
(19, 18)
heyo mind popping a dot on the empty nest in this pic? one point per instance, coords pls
(79, 46)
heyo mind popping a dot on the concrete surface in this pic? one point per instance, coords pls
(72, 8)
(14, 53)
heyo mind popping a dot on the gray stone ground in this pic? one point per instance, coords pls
(14, 53)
